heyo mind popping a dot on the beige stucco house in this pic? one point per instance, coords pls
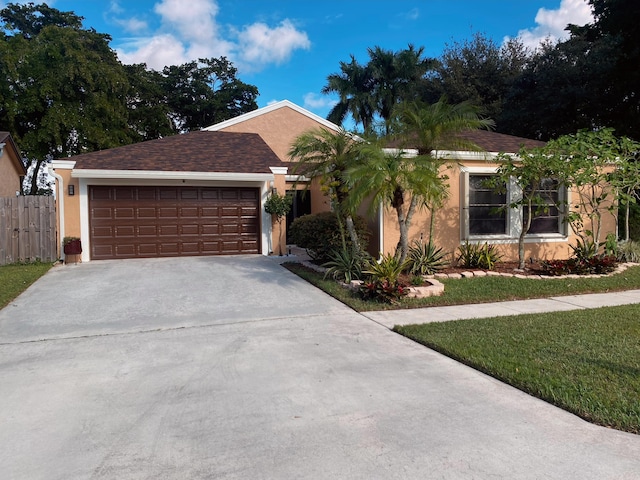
(12, 169)
(202, 193)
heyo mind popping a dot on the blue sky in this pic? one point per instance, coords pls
(287, 48)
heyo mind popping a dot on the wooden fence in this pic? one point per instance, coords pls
(28, 229)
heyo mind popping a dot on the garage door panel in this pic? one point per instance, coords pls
(125, 250)
(124, 213)
(193, 230)
(189, 212)
(210, 229)
(210, 194)
(125, 231)
(124, 193)
(209, 212)
(230, 212)
(168, 193)
(190, 248)
(148, 193)
(167, 231)
(147, 249)
(168, 212)
(103, 231)
(130, 222)
(146, 212)
(147, 231)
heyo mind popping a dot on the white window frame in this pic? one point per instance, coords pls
(514, 215)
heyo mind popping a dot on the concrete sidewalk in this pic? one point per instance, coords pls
(390, 318)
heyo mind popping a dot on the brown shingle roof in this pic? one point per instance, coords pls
(490, 141)
(499, 142)
(190, 152)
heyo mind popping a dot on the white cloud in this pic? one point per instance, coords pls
(313, 101)
(194, 20)
(260, 45)
(157, 52)
(412, 14)
(190, 30)
(551, 24)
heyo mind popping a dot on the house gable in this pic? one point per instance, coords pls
(278, 124)
(12, 169)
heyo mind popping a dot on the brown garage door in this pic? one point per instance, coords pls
(129, 222)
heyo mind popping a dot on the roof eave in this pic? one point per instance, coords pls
(172, 175)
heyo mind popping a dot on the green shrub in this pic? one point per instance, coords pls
(629, 251)
(388, 268)
(584, 249)
(346, 264)
(426, 259)
(319, 234)
(475, 255)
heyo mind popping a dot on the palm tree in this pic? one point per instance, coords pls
(354, 85)
(327, 155)
(374, 90)
(396, 75)
(407, 183)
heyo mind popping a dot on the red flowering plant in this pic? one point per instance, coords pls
(382, 283)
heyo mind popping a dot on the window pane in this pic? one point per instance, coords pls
(486, 217)
(482, 221)
(548, 221)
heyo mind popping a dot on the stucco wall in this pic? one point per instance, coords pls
(447, 228)
(277, 128)
(71, 203)
(9, 174)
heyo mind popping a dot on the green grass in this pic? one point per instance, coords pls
(15, 279)
(482, 289)
(586, 362)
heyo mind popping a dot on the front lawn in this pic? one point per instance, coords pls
(15, 279)
(586, 362)
(481, 289)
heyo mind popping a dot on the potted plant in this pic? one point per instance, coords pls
(71, 246)
(278, 206)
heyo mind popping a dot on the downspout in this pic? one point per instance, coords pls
(60, 208)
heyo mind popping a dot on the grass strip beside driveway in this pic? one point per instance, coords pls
(481, 289)
(584, 361)
(16, 278)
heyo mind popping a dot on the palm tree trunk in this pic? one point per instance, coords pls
(352, 233)
(404, 222)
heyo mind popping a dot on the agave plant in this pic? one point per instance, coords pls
(426, 258)
(346, 263)
(389, 268)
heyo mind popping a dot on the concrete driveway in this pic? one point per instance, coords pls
(233, 368)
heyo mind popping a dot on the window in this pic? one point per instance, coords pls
(487, 212)
(548, 219)
(487, 216)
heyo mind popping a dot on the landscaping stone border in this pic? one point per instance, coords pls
(489, 273)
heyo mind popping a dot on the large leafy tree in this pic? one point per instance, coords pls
(65, 91)
(150, 116)
(206, 91)
(64, 86)
(477, 71)
(405, 182)
(616, 24)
